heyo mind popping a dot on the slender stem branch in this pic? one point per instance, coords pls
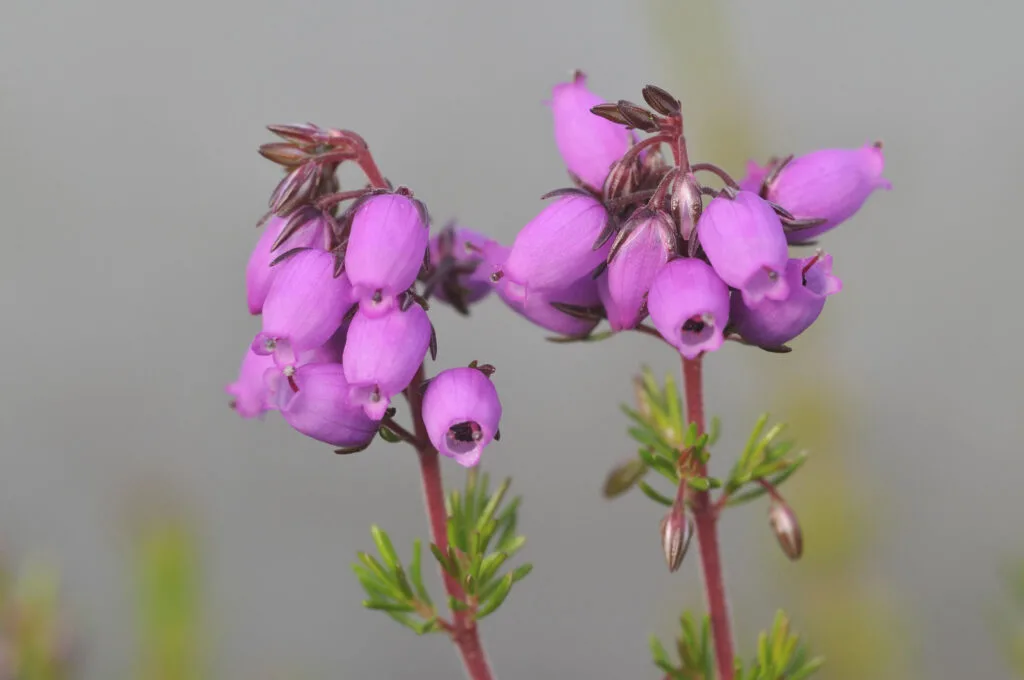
(714, 169)
(403, 433)
(705, 519)
(464, 633)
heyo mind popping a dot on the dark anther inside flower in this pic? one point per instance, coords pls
(463, 437)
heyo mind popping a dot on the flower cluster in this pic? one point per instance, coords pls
(335, 277)
(634, 238)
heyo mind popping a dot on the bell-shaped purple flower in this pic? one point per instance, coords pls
(305, 306)
(382, 354)
(755, 177)
(689, 305)
(461, 410)
(556, 248)
(386, 249)
(537, 308)
(588, 144)
(249, 391)
(314, 399)
(462, 262)
(259, 275)
(646, 244)
(775, 322)
(744, 240)
(829, 184)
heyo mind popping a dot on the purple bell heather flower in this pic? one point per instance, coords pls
(689, 305)
(537, 308)
(461, 410)
(249, 391)
(463, 261)
(745, 242)
(259, 275)
(775, 322)
(382, 354)
(314, 399)
(305, 306)
(385, 250)
(588, 144)
(830, 184)
(636, 260)
(556, 248)
(755, 177)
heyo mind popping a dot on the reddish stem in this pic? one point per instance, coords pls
(705, 519)
(465, 633)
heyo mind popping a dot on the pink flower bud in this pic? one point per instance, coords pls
(538, 309)
(645, 248)
(382, 354)
(689, 306)
(556, 248)
(775, 322)
(744, 240)
(386, 249)
(259, 275)
(249, 391)
(830, 184)
(313, 399)
(305, 306)
(786, 528)
(461, 410)
(676, 532)
(588, 144)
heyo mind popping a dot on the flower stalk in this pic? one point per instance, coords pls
(464, 633)
(706, 521)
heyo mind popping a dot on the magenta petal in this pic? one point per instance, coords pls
(321, 408)
(745, 242)
(775, 322)
(631, 272)
(382, 354)
(755, 177)
(831, 184)
(470, 249)
(556, 248)
(537, 308)
(461, 410)
(259, 275)
(588, 144)
(385, 251)
(689, 305)
(249, 391)
(306, 303)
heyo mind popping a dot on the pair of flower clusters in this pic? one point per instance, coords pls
(634, 239)
(344, 330)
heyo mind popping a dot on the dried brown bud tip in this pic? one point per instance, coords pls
(609, 112)
(284, 154)
(661, 101)
(638, 117)
(787, 529)
(676, 532)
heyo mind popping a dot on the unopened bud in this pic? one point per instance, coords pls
(687, 204)
(787, 529)
(623, 477)
(676, 532)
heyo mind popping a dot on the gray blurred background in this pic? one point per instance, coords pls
(130, 186)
